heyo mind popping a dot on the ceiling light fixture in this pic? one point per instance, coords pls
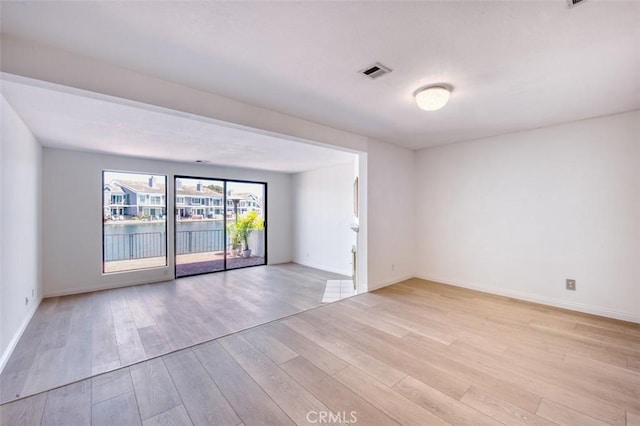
(432, 98)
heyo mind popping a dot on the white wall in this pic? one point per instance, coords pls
(323, 206)
(518, 214)
(390, 208)
(20, 219)
(385, 241)
(72, 217)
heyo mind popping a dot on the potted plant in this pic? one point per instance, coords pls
(235, 238)
(245, 225)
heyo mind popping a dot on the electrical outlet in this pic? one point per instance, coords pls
(26, 301)
(571, 284)
(393, 267)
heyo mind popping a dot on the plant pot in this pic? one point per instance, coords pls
(246, 253)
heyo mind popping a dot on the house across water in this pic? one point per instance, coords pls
(126, 199)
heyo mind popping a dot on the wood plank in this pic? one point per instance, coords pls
(387, 374)
(68, 405)
(120, 410)
(383, 347)
(177, 416)
(621, 379)
(340, 399)
(633, 419)
(565, 416)
(292, 398)
(526, 376)
(346, 310)
(235, 343)
(130, 346)
(171, 329)
(51, 350)
(153, 341)
(470, 373)
(78, 345)
(27, 347)
(137, 306)
(27, 411)
(13, 383)
(442, 405)
(104, 346)
(318, 356)
(111, 385)
(202, 399)
(154, 388)
(248, 400)
(328, 313)
(500, 410)
(385, 399)
(269, 346)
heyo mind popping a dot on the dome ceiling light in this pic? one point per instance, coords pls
(432, 98)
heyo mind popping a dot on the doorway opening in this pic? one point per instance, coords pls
(220, 224)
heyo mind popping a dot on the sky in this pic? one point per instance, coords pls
(236, 187)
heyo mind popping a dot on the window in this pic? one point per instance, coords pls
(134, 236)
(180, 200)
(213, 227)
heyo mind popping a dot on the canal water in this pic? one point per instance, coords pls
(139, 227)
(135, 240)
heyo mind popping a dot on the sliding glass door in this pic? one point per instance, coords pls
(219, 225)
(245, 218)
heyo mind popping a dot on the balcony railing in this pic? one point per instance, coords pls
(153, 244)
(199, 241)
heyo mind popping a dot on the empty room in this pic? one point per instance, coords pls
(279, 213)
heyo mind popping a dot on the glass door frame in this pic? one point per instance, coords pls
(224, 223)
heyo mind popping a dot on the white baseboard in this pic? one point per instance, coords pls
(323, 267)
(16, 337)
(108, 286)
(377, 285)
(543, 300)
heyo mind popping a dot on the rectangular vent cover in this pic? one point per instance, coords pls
(376, 70)
(573, 3)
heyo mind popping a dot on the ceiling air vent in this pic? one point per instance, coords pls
(376, 70)
(573, 3)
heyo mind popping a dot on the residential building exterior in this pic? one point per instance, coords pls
(126, 199)
(198, 202)
(248, 202)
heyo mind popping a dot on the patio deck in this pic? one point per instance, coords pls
(187, 264)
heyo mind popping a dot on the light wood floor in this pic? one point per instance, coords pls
(417, 353)
(74, 337)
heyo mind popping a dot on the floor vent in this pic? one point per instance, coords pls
(376, 70)
(573, 3)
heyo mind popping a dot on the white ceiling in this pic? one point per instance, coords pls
(73, 119)
(514, 65)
